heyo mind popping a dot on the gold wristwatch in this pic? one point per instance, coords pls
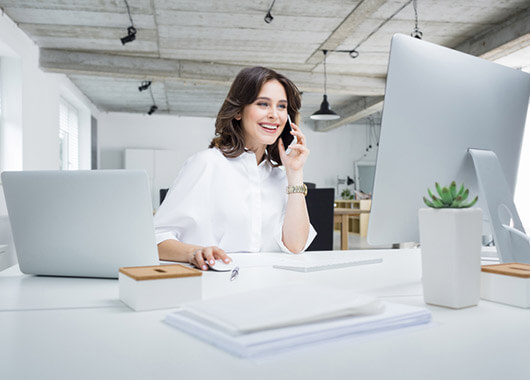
(297, 189)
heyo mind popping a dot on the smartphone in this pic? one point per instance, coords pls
(286, 136)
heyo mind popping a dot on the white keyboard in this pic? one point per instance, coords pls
(313, 266)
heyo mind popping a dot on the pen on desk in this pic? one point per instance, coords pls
(234, 274)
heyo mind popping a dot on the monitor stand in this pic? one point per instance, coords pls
(513, 245)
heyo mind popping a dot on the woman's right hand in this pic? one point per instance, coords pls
(201, 255)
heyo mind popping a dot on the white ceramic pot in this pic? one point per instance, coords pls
(450, 242)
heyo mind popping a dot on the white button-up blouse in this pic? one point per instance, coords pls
(231, 203)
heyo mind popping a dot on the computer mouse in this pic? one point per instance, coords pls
(221, 266)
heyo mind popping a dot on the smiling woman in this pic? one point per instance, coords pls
(234, 197)
(256, 87)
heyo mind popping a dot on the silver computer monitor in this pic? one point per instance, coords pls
(438, 104)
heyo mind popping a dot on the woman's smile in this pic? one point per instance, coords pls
(269, 127)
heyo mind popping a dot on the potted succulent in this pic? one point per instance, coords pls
(346, 194)
(450, 240)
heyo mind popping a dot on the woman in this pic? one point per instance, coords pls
(232, 197)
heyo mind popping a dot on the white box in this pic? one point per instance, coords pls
(159, 286)
(506, 283)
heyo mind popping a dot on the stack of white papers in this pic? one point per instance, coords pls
(269, 320)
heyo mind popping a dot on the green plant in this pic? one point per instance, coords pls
(346, 194)
(449, 197)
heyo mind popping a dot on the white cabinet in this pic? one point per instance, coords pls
(162, 167)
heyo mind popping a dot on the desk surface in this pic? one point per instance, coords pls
(65, 328)
(349, 211)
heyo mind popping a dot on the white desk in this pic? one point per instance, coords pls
(65, 328)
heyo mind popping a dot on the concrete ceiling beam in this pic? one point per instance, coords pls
(347, 27)
(146, 68)
(502, 39)
(105, 65)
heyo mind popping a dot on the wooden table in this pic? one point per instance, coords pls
(341, 216)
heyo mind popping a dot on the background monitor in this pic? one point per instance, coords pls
(439, 103)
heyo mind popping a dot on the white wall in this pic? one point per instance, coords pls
(332, 153)
(11, 118)
(119, 131)
(32, 114)
(522, 187)
(29, 128)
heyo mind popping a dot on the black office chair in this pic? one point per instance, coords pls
(320, 209)
(163, 193)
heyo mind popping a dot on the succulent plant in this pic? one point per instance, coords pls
(346, 194)
(449, 197)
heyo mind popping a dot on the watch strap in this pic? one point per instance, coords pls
(297, 189)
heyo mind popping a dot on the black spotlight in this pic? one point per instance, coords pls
(152, 110)
(131, 35)
(144, 86)
(268, 18)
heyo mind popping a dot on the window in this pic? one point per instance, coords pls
(68, 136)
(1, 91)
(2, 132)
(522, 188)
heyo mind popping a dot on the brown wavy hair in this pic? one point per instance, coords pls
(245, 89)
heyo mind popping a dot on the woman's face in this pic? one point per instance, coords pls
(264, 119)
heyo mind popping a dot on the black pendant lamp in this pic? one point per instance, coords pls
(325, 113)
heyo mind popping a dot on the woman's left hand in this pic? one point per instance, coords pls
(295, 160)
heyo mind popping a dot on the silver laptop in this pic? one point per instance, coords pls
(80, 223)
